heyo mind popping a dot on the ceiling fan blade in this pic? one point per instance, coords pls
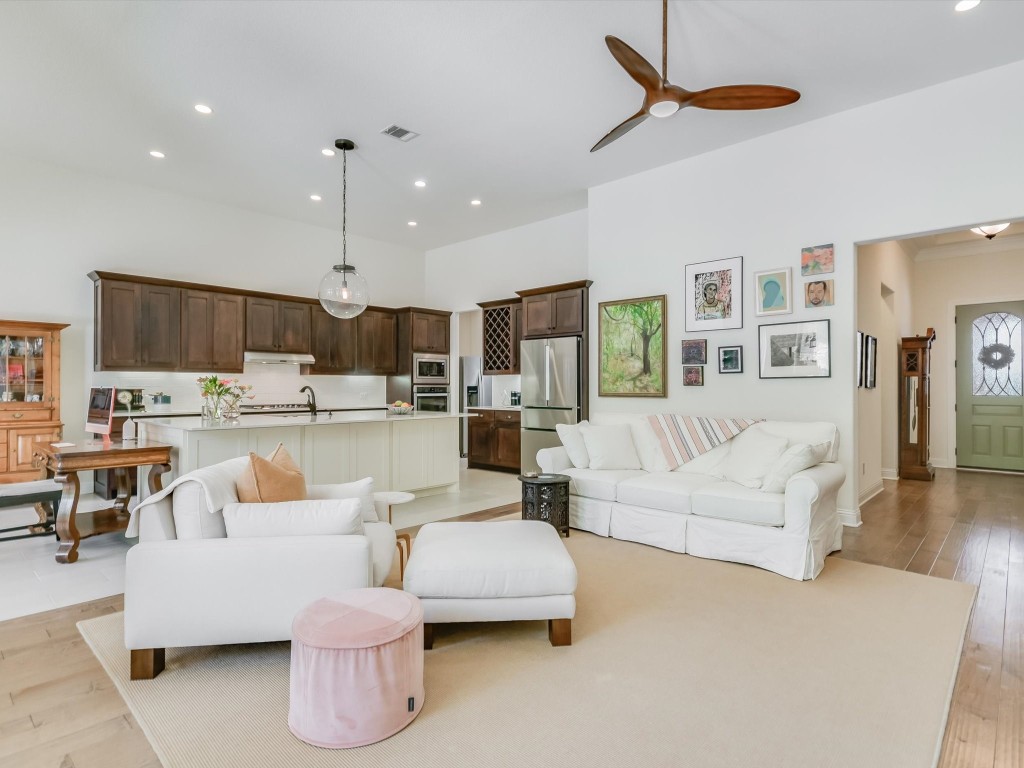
(621, 129)
(636, 66)
(743, 97)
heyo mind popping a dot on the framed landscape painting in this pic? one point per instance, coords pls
(795, 350)
(774, 292)
(714, 295)
(631, 347)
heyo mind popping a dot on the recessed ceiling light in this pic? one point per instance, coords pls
(158, 155)
(474, 202)
(420, 183)
(202, 109)
(966, 5)
(412, 223)
(315, 198)
(327, 152)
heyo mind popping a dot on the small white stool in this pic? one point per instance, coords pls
(392, 498)
(512, 570)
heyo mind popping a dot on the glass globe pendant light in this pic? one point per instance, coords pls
(343, 291)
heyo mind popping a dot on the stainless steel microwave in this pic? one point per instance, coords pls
(429, 369)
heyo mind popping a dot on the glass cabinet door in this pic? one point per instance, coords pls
(22, 369)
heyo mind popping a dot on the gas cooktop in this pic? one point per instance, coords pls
(275, 407)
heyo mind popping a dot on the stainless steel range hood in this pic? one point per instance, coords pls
(280, 358)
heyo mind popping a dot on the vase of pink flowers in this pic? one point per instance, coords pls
(222, 397)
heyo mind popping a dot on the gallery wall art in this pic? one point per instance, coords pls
(695, 351)
(730, 359)
(714, 295)
(693, 376)
(774, 292)
(794, 350)
(817, 259)
(819, 293)
(631, 347)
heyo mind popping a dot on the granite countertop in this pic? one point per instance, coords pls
(254, 421)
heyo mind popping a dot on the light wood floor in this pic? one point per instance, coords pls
(58, 708)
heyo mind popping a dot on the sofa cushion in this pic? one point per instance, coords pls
(192, 516)
(811, 432)
(731, 501)
(572, 440)
(324, 517)
(599, 483)
(796, 458)
(752, 454)
(610, 447)
(669, 491)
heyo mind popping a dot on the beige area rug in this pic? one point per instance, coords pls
(675, 661)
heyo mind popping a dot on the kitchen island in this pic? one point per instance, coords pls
(418, 452)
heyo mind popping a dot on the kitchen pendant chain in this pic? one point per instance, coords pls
(344, 207)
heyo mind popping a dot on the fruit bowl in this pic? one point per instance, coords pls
(400, 410)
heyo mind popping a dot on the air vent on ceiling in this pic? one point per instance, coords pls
(397, 132)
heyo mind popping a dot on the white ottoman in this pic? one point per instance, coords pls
(515, 570)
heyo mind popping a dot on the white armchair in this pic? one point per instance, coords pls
(187, 584)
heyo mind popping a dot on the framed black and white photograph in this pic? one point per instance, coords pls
(860, 358)
(871, 351)
(794, 350)
(714, 295)
(730, 359)
(695, 351)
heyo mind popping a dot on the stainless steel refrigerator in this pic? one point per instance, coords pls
(551, 393)
(474, 390)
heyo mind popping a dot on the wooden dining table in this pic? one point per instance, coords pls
(63, 462)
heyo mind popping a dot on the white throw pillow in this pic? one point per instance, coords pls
(751, 455)
(796, 458)
(309, 517)
(358, 489)
(572, 441)
(610, 447)
(712, 463)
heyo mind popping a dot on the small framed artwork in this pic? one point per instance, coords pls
(817, 260)
(730, 359)
(693, 376)
(774, 290)
(632, 348)
(818, 293)
(714, 295)
(871, 350)
(695, 351)
(794, 350)
(860, 358)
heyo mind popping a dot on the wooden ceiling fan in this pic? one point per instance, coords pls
(662, 99)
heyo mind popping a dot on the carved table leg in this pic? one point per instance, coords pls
(124, 490)
(67, 532)
(44, 511)
(155, 483)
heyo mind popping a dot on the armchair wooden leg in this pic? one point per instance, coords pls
(560, 631)
(428, 636)
(147, 663)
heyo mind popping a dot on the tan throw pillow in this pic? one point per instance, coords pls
(273, 479)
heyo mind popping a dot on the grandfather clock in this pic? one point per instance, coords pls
(914, 386)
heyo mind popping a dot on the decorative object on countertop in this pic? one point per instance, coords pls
(343, 292)
(631, 347)
(126, 397)
(222, 397)
(400, 408)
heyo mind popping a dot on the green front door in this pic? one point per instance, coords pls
(989, 388)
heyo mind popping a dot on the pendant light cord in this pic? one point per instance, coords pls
(664, 40)
(344, 206)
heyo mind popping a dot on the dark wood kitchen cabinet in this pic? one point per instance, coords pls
(212, 331)
(378, 341)
(494, 439)
(430, 331)
(334, 345)
(272, 325)
(555, 311)
(502, 329)
(137, 326)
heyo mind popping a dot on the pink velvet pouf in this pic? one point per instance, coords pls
(356, 667)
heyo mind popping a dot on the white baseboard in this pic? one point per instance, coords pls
(850, 517)
(869, 493)
(890, 474)
(943, 464)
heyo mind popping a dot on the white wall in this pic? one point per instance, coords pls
(907, 165)
(496, 266)
(56, 225)
(993, 272)
(884, 310)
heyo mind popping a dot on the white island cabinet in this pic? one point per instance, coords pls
(418, 452)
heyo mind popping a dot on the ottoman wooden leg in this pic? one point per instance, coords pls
(428, 636)
(147, 663)
(560, 631)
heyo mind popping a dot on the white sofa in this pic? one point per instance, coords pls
(695, 510)
(188, 584)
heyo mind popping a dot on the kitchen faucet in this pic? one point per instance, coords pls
(310, 398)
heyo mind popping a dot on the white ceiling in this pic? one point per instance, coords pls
(508, 95)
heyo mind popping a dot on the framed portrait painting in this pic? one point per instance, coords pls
(695, 351)
(714, 295)
(631, 347)
(774, 289)
(730, 359)
(795, 350)
(819, 293)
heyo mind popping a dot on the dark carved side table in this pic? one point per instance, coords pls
(546, 497)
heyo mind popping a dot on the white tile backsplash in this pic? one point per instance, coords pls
(502, 387)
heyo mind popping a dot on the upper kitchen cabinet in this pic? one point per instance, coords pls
(430, 330)
(502, 331)
(378, 342)
(137, 325)
(557, 310)
(212, 331)
(334, 345)
(273, 325)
